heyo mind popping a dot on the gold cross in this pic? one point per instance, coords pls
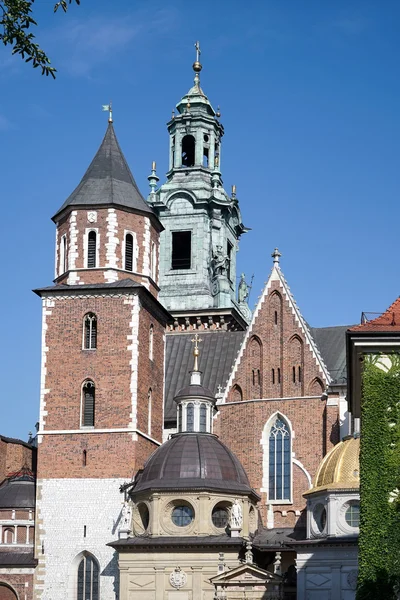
(198, 51)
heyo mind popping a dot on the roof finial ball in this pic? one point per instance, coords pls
(276, 256)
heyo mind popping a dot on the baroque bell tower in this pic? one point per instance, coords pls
(202, 223)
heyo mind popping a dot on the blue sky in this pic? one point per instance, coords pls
(309, 95)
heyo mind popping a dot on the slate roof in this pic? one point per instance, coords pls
(218, 351)
(178, 541)
(17, 493)
(108, 181)
(193, 461)
(331, 342)
(17, 559)
(121, 283)
(9, 440)
(388, 322)
(277, 537)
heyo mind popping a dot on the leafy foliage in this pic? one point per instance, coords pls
(15, 23)
(379, 541)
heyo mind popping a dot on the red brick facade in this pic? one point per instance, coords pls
(14, 455)
(16, 586)
(144, 228)
(278, 371)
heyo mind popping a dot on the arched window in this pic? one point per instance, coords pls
(190, 417)
(237, 394)
(180, 417)
(88, 579)
(7, 593)
(63, 255)
(8, 536)
(203, 418)
(149, 402)
(91, 250)
(279, 459)
(90, 332)
(88, 404)
(129, 252)
(151, 334)
(188, 151)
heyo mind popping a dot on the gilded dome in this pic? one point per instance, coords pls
(339, 469)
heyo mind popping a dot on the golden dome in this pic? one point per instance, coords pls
(339, 469)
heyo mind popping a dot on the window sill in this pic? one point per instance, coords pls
(89, 349)
(87, 427)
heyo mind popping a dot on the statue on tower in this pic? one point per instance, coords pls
(220, 262)
(243, 290)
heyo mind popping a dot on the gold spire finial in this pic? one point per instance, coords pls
(196, 340)
(108, 108)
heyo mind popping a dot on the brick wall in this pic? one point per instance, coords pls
(14, 456)
(16, 586)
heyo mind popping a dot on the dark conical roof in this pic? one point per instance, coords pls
(108, 180)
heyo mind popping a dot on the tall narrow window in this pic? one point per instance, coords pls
(90, 332)
(180, 418)
(279, 375)
(294, 374)
(153, 262)
(88, 404)
(91, 255)
(181, 249)
(88, 579)
(279, 461)
(229, 248)
(149, 407)
(299, 374)
(63, 255)
(151, 335)
(129, 252)
(203, 418)
(273, 375)
(276, 317)
(258, 377)
(190, 417)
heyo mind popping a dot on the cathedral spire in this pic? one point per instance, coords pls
(197, 66)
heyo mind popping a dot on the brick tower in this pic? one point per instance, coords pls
(99, 420)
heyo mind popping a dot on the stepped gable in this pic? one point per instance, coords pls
(108, 181)
(279, 356)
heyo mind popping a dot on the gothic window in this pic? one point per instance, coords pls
(203, 418)
(255, 349)
(188, 151)
(88, 579)
(91, 250)
(296, 358)
(181, 249)
(151, 341)
(90, 332)
(129, 252)
(279, 458)
(88, 404)
(237, 394)
(190, 417)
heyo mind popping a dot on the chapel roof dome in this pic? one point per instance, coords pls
(192, 461)
(18, 490)
(194, 390)
(340, 468)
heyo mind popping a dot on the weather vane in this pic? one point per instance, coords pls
(108, 108)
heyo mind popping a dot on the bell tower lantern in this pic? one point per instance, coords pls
(202, 222)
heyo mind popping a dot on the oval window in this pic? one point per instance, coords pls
(352, 514)
(182, 516)
(320, 517)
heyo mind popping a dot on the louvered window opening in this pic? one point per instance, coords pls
(91, 261)
(90, 336)
(88, 404)
(129, 252)
(88, 579)
(279, 461)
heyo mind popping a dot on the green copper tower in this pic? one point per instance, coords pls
(202, 222)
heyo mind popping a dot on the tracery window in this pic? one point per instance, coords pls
(279, 461)
(90, 332)
(88, 579)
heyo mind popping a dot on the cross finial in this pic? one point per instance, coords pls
(276, 256)
(196, 340)
(198, 51)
